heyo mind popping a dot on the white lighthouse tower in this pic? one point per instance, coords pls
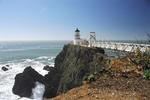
(77, 37)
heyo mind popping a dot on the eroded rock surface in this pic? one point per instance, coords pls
(71, 65)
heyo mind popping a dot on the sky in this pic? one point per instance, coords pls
(58, 19)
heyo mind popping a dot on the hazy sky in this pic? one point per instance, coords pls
(57, 19)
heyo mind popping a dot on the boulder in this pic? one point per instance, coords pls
(24, 82)
(48, 68)
(71, 65)
(4, 68)
(7, 65)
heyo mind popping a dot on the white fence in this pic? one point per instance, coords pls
(130, 47)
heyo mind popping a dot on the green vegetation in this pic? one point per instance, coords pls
(146, 74)
(142, 61)
(89, 78)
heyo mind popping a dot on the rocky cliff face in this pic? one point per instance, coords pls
(71, 65)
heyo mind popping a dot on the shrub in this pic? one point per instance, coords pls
(147, 74)
(89, 78)
(141, 58)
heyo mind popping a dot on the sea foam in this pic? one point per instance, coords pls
(38, 91)
(7, 78)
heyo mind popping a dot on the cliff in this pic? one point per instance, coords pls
(72, 64)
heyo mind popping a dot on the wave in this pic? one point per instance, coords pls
(9, 50)
(38, 91)
(22, 49)
(7, 77)
(42, 57)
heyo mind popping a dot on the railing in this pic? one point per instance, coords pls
(130, 47)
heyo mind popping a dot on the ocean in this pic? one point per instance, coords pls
(18, 55)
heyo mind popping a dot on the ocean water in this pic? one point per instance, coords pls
(19, 55)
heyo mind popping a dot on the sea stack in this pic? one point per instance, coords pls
(25, 82)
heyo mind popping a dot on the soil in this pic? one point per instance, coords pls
(108, 87)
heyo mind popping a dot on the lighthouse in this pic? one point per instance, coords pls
(77, 37)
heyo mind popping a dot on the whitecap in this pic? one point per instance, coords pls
(7, 77)
(42, 57)
(51, 58)
(10, 50)
(28, 60)
(38, 91)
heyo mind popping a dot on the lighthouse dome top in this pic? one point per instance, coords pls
(77, 30)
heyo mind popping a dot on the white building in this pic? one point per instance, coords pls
(77, 37)
(78, 40)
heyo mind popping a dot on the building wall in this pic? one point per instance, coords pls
(77, 42)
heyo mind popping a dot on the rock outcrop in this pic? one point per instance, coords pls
(24, 82)
(4, 68)
(47, 68)
(71, 65)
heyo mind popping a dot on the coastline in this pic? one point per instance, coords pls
(43, 58)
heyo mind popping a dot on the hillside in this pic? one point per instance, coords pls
(108, 87)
